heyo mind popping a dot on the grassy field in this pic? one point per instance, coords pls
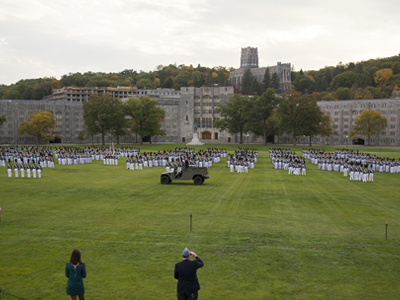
(262, 235)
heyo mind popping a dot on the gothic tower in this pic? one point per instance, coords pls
(249, 58)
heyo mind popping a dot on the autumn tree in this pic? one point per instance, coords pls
(262, 108)
(146, 117)
(39, 125)
(234, 115)
(382, 76)
(368, 123)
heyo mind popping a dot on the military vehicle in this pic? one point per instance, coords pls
(198, 175)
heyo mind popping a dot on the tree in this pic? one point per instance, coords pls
(275, 84)
(3, 119)
(261, 111)
(234, 115)
(119, 124)
(37, 125)
(300, 115)
(247, 82)
(382, 76)
(98, 114)
(146, 117)
(314, 121)
(368, 123)
(266, 80)
(289, 115)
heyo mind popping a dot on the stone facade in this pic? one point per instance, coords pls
(198, 105)
(182, 109)
(249, 60)
(343, 114)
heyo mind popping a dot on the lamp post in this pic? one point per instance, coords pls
(347, 139)
(247, 138)
(304, 140)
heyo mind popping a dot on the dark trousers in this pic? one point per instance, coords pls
(186, 296)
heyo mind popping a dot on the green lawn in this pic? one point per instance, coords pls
(262, 235)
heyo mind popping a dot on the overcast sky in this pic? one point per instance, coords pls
(44, 38)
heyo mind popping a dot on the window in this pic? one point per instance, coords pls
(21, 113)
(384, 133)
(336, 113)
(392, 133)
(392, 119)
(9, 125)
(383, 104)
(345, 126)
(187, 118)
(346, 113)
(346, 119)
(392, 126)
(336, 106)
(336, 120)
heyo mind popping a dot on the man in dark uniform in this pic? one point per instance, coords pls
(185, 272)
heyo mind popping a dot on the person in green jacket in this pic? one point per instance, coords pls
(75, 270)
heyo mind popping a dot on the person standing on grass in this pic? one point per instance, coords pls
(75, 271)
(185, 272)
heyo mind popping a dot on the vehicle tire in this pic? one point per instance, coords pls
(165, 180)
(198, 180)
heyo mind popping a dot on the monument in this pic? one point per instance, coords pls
(195, 140)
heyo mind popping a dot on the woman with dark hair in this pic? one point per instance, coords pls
(75, 270)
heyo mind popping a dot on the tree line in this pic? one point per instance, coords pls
(268, 115)
(171, 76)
(372, 79)
(104, 115)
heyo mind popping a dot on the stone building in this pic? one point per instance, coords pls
(343, 114)
(182, 109)
(249, 60)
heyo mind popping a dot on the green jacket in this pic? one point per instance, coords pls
(75, 282)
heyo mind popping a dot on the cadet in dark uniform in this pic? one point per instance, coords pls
(185, 272)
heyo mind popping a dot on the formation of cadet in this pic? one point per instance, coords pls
(285, 159)
(242, 160)
(27, 155)
(21, 168)
(72, 156)
(173, 160)
(358, 166)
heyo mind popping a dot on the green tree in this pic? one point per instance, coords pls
(266, 80)
(247, 82)
(38, 124)
(262, 109)
(119, 124)
(146, 117)
(343, 93)
(368, 123)
(300, 115)
(275, 84)
(314, 122)
(98, 114)
(3, 119)
(234, 115)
